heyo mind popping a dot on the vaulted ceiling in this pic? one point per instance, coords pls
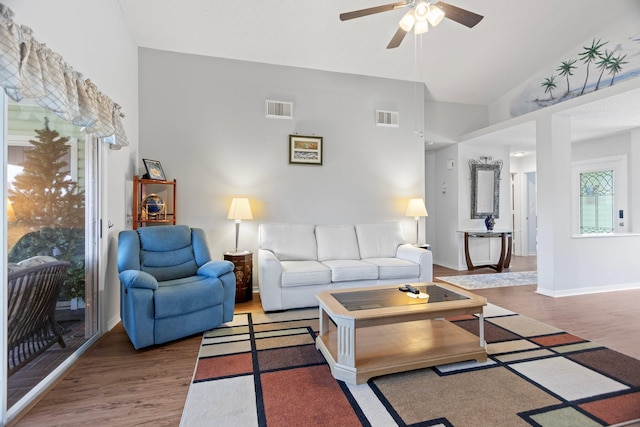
(515, 40)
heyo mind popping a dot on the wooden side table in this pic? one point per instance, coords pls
(243, 262)
(505, 248)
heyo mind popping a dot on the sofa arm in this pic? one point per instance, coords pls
(138, 279)
(422, 257)
(215, 268)
(269, 280)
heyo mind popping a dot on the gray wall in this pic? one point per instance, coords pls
(203, 119)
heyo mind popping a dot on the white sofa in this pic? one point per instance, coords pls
(297, 261)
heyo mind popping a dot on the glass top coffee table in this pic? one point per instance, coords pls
(368, 332)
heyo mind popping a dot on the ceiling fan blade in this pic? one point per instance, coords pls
(397, 38)
(461, 16)
(371, 10)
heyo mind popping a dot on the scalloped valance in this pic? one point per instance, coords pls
(29, 69)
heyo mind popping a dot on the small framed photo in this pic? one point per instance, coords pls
(305, 149)
(154, 170)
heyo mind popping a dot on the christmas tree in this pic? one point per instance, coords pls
(47, 201)
(44, 194)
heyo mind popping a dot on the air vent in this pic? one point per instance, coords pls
(387, 118)
(278, 109)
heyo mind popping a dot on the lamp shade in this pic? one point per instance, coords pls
(416, 208)
(421, 27)
(421, 10)
(406, 23)
(435, 15)
(240, 209)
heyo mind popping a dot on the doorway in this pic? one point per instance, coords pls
(531, 215)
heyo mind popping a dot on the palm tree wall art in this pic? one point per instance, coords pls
(608, 58)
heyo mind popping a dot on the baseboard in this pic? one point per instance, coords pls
(111, 323)
(450, 266)
(586, 291)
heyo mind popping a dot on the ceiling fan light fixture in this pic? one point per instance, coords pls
(422, 10)
(435, 15)
(407, 21)
(420, 15)
(421, 27)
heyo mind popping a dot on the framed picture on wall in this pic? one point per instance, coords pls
(154, 170)
(305, 149)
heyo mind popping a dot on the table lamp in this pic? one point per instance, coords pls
(416, 209)
(240, 209)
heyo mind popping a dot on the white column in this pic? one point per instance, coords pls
(633, 216)
(553, 136)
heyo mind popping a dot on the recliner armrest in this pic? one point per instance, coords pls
(138, 279)
(215, 268)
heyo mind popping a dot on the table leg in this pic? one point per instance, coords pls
(346, 342)
(323, 318)
(503, 244)
(481, 330)
(466, 252)
(507, 260)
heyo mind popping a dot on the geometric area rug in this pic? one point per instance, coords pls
(495, 280)
(264, 370)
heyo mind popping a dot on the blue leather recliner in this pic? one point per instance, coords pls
(170, 287)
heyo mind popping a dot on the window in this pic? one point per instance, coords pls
(596, 202)
(599, 190)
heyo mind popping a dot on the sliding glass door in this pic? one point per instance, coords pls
(51, 215)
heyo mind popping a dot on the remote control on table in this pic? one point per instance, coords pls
(412, 289)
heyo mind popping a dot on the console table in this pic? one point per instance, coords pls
(506, 237)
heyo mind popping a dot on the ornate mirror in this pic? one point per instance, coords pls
(485, 187)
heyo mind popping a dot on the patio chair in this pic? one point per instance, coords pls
(34, 285)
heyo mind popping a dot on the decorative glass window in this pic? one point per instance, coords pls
(596, 202)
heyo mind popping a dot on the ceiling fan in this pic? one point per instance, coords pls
(419, 16)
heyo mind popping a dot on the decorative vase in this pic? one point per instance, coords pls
(489, 222)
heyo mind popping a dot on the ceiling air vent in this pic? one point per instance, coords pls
(278, 109)
(388, 118)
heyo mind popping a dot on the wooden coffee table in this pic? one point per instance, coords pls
(368, 332)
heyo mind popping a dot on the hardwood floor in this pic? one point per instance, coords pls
(115, 385)
(611, 319)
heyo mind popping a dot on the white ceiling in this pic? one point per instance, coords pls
(605, 116)
(515, 40)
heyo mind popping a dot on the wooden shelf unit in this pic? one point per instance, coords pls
(142, 188)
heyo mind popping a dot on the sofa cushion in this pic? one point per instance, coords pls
(289, 242)
(187, 295)
(344, 270)
(395, 268)
(300, 273)
(337, 242)
(166, 252)
(379, 240)
(164, 239)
